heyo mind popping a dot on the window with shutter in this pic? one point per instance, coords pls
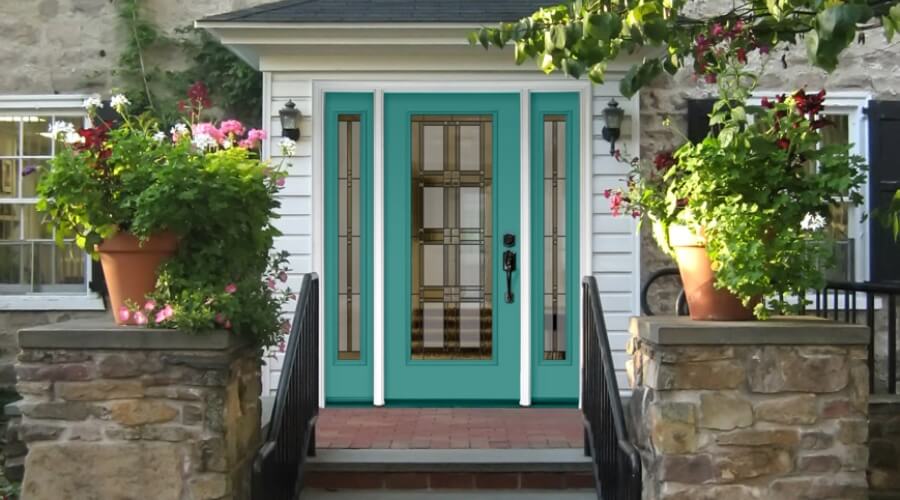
(884, 181)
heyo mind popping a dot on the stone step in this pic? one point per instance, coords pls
(319, 494)
(510, 469)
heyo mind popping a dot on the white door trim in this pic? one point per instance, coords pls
(474, 83)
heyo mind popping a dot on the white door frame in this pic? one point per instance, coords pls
(378, 84)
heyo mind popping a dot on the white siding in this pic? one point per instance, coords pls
(296, 212)
(615, 255)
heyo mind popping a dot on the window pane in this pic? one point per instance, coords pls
(34, 226)
(10, 222)
(31, 174)
(554, 222)
(33, 143)
(15, 273)
(9, 178)
(9, 136)
(349, 270)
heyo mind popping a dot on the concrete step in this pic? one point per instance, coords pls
(508, 469)
(318, 494)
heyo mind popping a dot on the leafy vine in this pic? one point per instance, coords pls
(235, 85)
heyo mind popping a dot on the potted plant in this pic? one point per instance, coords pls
(181, 220)
(744, 211)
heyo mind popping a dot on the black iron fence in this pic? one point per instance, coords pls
(617, 465)
(279, 464)
(872, 304)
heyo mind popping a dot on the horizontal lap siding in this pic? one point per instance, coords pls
(614, 259)
(296, 212)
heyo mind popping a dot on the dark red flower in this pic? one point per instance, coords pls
(766, 103)
(710, 78)
(607, 193)
(742, 55)
(738, 27)
(820, 123)
(617, 154)
(199, 94)
(783, 143)
(764, 49)
(94, 137)
(663, 161)
(636, 214)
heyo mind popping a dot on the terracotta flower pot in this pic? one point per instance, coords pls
(130, 267)
(705, 301)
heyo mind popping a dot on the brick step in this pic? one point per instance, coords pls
(508, 469)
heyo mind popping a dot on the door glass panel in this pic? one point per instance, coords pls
(349, 230)
(554, 222)
(451, 237)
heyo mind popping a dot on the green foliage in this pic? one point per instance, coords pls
(758, 189)
(236, 86)
(207, 186)
(581, 37)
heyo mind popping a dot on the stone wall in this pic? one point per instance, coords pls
(108, 410)
(775, 410)
(73, 46)
(884, 447)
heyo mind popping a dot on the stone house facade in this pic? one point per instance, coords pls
(62, 50)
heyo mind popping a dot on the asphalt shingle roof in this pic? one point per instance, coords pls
(383, 11)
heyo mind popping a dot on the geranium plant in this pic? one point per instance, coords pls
(758, 188)
(201, 181)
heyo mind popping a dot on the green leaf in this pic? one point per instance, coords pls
(597, 73)
(739, 114)
(599, 26)
(774, 7)
(558, 36)
(484, 38)
(573, 67)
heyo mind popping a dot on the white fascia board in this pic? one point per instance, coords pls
(41, 101)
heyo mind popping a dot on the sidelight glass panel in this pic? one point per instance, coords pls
(451, 237)
(554, 223)
(349, 230)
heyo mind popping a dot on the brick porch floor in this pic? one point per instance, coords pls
(444, 428)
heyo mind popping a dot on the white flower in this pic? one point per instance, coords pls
(203, 141)
(227, 144)
(59, 129)
(92, 103)
(119, 101)
(73, 138)
(813, 222)
(179, 130)
(159, 136)
(288, 147)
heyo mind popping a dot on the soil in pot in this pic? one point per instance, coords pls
(705, 301)
(130, 267)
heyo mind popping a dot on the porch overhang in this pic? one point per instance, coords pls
(393, 46)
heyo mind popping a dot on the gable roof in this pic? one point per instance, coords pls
(383, 11)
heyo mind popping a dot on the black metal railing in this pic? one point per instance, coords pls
(617, 464)
(839, 301)
(279, 464)
(844, 298)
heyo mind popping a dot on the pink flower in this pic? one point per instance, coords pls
(149, 305)
(165, 313)
(232, 127)
(140, 318)
(607, 193)
(271, 283)
(210, 130)
(282, 346)
(280, 182)
(230, 288)
(245, 143)
(615, 204)
(227, 324)
(255, 135)
(285, 326)
(282, 276)
(124, 314)
(717, 30)
(220, 318)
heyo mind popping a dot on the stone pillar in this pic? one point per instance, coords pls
(111, 411)
(884, 447)
(773, 410)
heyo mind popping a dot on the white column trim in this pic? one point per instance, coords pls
(525, 249)
(586, 244)
(378, 249)
(318, 221)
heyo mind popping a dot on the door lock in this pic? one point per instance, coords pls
(509, 264)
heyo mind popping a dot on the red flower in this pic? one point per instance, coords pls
(710, 78)
(783, 143)
(820, 123)
(811, 104)
(742, 55)
(766, 103)
(717, 30)
(617, 154)
(199, 94)
(607, 193)
(663, 161)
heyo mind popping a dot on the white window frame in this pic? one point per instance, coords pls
(61, 105)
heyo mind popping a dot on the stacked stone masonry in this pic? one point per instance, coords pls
(751, 421)
(884, 447)
(152, 423)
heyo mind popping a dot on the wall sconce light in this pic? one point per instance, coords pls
(612, 116)
(290, 121)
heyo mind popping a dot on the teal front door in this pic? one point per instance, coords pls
(451, 233)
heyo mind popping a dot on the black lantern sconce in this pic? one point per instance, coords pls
(290, 121)
(612, 116)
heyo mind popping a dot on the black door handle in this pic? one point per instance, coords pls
(509, 265)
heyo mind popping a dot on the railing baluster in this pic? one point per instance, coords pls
(892, 343)
(870, 322)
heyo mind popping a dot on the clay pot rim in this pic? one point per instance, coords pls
(124, 242)
(681, 235)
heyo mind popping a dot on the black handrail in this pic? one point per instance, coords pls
(279, 464)
(617, 464)
(681, 308)
(891, 291)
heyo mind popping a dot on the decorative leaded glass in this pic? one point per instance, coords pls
(554, 224)
(349, 230)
